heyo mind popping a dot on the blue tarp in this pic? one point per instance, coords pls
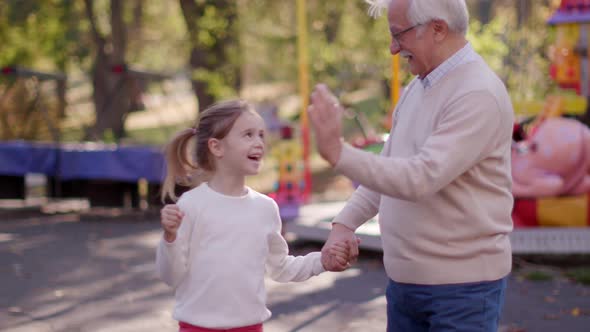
(82, 161)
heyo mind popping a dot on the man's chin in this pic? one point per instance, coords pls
(414, 71)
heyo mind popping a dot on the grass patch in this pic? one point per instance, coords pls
(152, 136)
(148, 136)
(538, 276)
(581, 275)
(72, 134)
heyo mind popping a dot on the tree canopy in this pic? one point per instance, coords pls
(226, 46)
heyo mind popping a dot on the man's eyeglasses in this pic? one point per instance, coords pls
(396, 36)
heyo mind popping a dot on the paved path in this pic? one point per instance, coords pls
(61, 274)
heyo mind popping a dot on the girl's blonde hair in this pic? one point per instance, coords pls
(187, 155)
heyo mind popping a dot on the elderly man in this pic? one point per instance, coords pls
(442, 184)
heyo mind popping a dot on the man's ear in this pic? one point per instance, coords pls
(215, 147)
(441, 29)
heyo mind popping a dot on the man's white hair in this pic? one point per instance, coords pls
(453, 12)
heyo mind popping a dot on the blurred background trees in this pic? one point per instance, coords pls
(227, 48)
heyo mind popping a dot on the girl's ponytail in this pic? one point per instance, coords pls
(180, 165)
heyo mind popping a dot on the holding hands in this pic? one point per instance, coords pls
(341, 249)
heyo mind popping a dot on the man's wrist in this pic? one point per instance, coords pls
(339, 226)
(335, 153)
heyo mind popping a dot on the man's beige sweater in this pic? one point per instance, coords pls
(442, 184)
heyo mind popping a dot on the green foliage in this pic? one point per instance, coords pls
(487, 41)
(162, 43)
(347, 49)
(517, 53)
(213, 36)
(357, 52)
(27, 111)
(581, 275)
(154, 136)
(54, 34)
(217, 83)
(43, 34)
(538, 276)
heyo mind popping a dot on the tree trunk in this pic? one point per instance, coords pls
(484, 11)
(110, 94)
(61, 87)
(211, 58)
(523, 10)
(332, 25)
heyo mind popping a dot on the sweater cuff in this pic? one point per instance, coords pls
(346, 222)
(347, 159)
(168, 244)
(317, 264)
(350, 221)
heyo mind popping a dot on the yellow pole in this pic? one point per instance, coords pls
(395, 88)
(302, 44)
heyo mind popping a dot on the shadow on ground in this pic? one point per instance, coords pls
(94, 272)
(57, 270)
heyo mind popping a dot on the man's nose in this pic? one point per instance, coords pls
(394, 48)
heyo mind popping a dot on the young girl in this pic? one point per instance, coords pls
(221, 236)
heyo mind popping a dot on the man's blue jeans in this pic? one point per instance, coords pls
(471, 307)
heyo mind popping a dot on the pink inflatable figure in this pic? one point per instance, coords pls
(554, 161)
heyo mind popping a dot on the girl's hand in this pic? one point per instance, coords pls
(340, 251)
(170, 218)
(345, 236)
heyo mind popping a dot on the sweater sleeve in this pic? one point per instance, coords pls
(172, 257)
(363, 204)
(464, 136)
(283, 267)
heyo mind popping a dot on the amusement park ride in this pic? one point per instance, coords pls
(550, 155)
(290, 185)
(551, 161)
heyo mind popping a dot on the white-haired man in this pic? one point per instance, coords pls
(442, 184)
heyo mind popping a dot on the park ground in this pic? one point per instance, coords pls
(94, 271)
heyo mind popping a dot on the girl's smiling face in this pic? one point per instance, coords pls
(244, 146)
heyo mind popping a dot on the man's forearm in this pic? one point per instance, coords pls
(362, 206)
